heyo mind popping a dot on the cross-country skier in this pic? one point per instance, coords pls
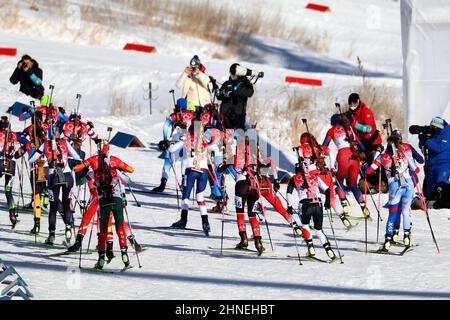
(401, 188)
(8, 142)
(308, 185)
(348, 159)
(109, 191)
(318, 166)
(177, 122)
(194, 147)
(60, 180)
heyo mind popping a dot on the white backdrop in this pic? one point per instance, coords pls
(426, 59)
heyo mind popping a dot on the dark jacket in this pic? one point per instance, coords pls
(234, 95)
(30, 81)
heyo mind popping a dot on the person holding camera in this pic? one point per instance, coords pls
(29, 75)
(195, 84)
(436, 141)
(234, 95)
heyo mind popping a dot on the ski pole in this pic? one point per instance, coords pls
(134, 196)
(425, 209)
(176, 181)
(379, 204)
(216, 183)
(334, 235)
(365, 207)
(132, 234)
(370, 194)
(267, 225)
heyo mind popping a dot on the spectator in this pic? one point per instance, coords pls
(234, 95)
(437, 177)
(30, 77)
(195, 84)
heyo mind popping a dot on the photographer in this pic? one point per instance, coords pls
(234, 94)
(29, 75)
(435, 139)
(195, 84)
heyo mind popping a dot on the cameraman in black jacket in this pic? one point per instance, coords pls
(234, 94)
(29, 75)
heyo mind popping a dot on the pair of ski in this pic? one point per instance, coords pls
(398, 244)
(303, 258)
(243, 250)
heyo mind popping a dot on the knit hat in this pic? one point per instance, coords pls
(195, 62)
(437, 122)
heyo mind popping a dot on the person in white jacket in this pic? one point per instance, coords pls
(195, 84)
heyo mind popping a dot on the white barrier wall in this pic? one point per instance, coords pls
(426, 60)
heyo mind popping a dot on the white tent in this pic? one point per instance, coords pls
(426, 60)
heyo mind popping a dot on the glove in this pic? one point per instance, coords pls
(276, 185)
(217, 92)
(365, 166)
(163, 145)
(222, 167)
(10, 109)
(305, 185)
(290, 211)
(90, 124)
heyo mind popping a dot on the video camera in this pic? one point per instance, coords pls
(424, 132)
(244, 72)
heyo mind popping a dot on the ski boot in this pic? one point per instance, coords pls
(244, 241)
(387, 244)
(37, 226)
(77, 245)
(311, 250)
(345, 206)
(345, 221)
(259, 246)
(13, 217)
(407, 238)
(136, 246)
(329, 251)
(109, 251)
(68, 233)
(51, 238)
(125, 259)
(395, 237)
(181, 224)
(365, 211)
(297, 229)
(101, 260)
(205, 225)
(161, 187)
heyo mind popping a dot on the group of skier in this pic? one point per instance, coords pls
(210, 142)
(52, 150)
(198, 135)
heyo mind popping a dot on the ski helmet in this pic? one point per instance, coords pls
(397, 133)
(188, 117)
(335, 120)
(304, 139)
(206, 118)
(182, 103)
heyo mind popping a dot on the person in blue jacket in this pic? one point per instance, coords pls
(437, 179)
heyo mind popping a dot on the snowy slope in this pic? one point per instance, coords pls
(179, 264)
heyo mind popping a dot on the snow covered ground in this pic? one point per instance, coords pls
(180, 264)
